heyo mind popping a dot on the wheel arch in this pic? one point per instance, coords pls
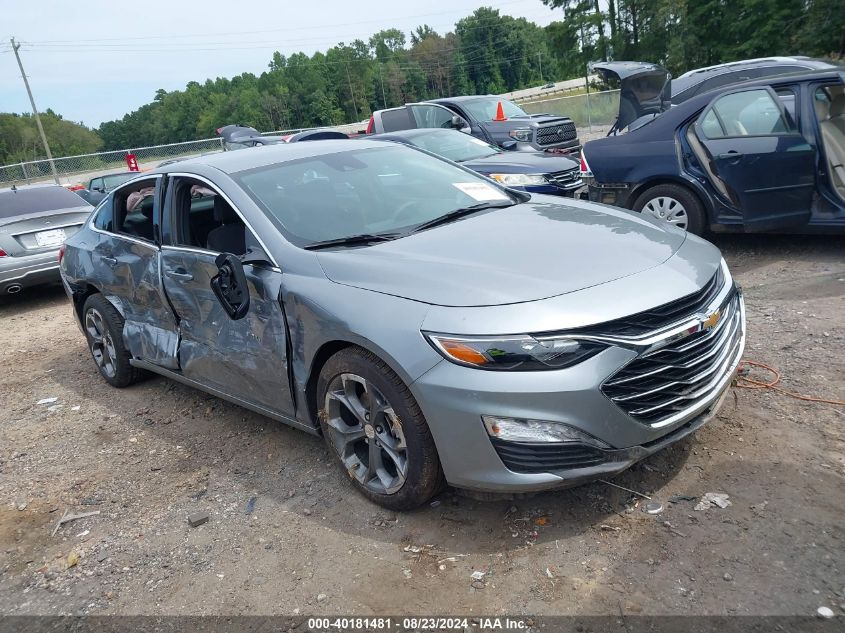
(693, 187)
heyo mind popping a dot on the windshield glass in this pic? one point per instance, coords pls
(117, 179)
(485, 109)
(387, 189)
(454, 145)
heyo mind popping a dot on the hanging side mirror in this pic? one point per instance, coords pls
(230, 287)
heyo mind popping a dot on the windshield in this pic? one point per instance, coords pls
(454, 145)
(485, 109)
(37, 200)
(377, 190)
(117, 179)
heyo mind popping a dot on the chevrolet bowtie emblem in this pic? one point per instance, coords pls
(712, 320)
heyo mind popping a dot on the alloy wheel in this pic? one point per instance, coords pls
(102, 345)
(669, 210)
(366, 433)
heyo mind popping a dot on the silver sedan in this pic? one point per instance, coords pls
(433, 326)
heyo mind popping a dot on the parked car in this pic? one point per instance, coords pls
(700, 80)
(431, 324)
(241, 136)
(34, 221)
(537, 172)
(756, 156)
(99, 187)
(480, 116)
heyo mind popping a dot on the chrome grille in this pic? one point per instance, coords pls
(556, 133)
(662, 384)
(566, 179)
(661, 316)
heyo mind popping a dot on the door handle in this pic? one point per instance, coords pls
(731, 155)
(179, 274)
(111, 261)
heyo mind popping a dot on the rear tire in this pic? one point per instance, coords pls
(674, 204)
(103, 328)
(374, 426)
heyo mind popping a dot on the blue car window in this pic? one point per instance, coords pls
(748, 113)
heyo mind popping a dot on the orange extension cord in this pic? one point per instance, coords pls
(744, 382)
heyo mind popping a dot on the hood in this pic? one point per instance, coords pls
(521, 163)
(643, 88)
(530, 251)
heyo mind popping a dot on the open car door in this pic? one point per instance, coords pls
(757, 158)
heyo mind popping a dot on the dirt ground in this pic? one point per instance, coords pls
(148, 456)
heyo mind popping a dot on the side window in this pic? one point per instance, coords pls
(748, 113)
(202, 218)
(788, 98)
(103, 217)
(395, 120)
(133, 208)
(431, 116)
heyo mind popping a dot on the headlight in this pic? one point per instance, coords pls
(534, 431)
(523, 134)
(520, 179)
(516, 353)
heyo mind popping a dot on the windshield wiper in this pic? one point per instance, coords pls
(353, 240)
(459, 213)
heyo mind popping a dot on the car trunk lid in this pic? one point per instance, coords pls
(644, 89)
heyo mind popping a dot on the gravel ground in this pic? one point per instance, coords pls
(287, 533)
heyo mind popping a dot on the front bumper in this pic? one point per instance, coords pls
(29, 270)
(552, 190)
(454, 399)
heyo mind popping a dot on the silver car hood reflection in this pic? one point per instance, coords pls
(531, 251)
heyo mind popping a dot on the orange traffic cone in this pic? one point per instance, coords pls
(500, 114)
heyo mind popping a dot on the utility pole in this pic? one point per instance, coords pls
(15, 48)
(540, 60)
(381, 79)
(349, 79)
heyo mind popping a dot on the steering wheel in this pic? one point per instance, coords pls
(403, 210)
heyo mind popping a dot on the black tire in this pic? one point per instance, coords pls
(400, 423)
(98, 314)
(696, 218)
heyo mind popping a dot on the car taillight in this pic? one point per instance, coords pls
(2, 253)
(371, 125)
(61, 253)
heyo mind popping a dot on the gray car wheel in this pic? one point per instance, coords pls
(372, 423)
(103, 328)
(673, 204)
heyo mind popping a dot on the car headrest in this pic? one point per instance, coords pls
(223, 212)
(837, 106)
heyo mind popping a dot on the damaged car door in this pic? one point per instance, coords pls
(242, 354)
(125, 262)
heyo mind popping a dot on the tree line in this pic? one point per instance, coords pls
(486, 52)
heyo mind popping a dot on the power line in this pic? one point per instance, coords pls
(282, 30)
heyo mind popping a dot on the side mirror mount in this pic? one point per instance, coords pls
(509, 145)
(256, 255)
(230, 287)
(98, 189)
(459, 123)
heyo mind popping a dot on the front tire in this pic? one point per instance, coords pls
(373, 425)
(103, 328)
(674, 204)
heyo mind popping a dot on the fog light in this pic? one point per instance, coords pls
(522, 430)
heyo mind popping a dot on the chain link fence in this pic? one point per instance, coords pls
(591, 110)
(77, 169)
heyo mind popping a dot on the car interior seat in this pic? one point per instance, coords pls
(833, 137)
(230, 236)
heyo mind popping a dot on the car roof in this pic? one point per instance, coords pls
(233, 162)
(756, 63)
(465, 98)
(38, 185)
(700, 100)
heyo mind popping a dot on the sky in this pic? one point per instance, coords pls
(96, 60)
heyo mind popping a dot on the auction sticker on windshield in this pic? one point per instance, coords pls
(479, 191)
